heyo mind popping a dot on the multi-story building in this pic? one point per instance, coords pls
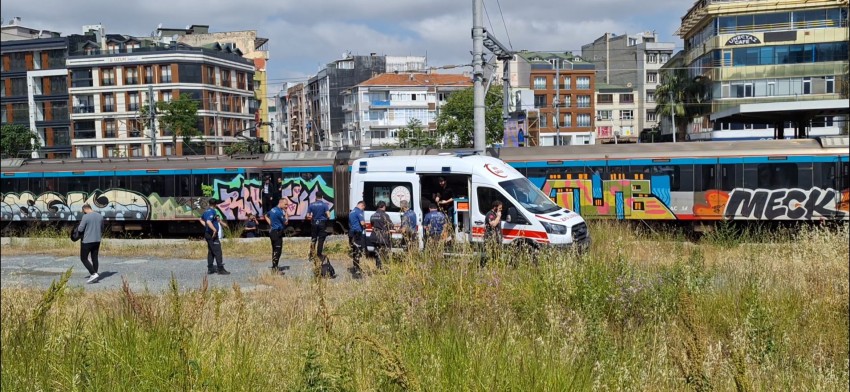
(324, 91)
(376, 109)
(252, 47)
(281, 131)
(298, 113)
(567, 120)
(631, 60)
(35, 86)
(112, 78)
(772, 64)
(615, 114)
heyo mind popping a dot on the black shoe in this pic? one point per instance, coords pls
(210, 271)
(222, 271)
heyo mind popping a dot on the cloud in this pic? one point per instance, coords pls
(304, 35)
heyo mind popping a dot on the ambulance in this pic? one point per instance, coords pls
(475, 181)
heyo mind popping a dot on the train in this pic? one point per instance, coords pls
(694, 183)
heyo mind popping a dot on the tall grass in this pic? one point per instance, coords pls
(636, 313)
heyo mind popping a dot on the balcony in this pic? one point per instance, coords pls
(110, 134)
(85, 134)
(380, 103)
(108, 108)
(84, 109)
(133, 107)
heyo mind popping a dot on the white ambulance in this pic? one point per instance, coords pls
(474, 182)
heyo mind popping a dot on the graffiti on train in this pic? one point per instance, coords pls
(784, 204)
(303, 190)
(113, 204)
(238, 197)
(590, 195)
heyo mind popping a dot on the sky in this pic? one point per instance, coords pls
(304, 35)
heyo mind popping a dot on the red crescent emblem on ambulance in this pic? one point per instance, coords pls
(495, 170)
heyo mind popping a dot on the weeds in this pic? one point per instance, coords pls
(638, 312)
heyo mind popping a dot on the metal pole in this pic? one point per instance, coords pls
(506, 93)
(478, 134)
(673, 116)
(557, 102)
(152, 107)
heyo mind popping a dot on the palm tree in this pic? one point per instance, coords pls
(684, 96)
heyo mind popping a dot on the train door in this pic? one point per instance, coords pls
(709, 200)
(730, 175)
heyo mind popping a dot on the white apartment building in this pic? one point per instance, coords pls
(615, 114)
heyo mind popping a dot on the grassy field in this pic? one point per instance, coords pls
(644, 310)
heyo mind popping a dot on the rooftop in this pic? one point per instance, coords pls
(418, 79)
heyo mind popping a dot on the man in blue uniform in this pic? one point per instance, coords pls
(212, 230)
(276, 218)
(434, 222)
(409, 226)
(356, 225)
(319, 213)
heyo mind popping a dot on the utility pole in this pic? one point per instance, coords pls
(557, 101)
(673, 116)
(478, 133)
(506, 94)
(152, 107)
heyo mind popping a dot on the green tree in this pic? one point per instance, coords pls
(414, 135)
(179, 117)
(16, 139)
(456, 120)
(690, 97)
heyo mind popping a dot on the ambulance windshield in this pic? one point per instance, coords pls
(529, 196)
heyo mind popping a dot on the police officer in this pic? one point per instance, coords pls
(319, 213)
(356, 225)
(434, 223)
(277, 220)
(492, 231)
(212, 234)
(409, 226)
(381, 224)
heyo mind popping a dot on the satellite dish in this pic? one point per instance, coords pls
(629, 84)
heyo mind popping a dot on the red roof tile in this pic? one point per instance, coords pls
(418, 79)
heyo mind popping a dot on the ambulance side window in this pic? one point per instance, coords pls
(391, 193)
(486, 196)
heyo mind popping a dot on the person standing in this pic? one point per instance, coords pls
(251, 226)
(409, 226)
(212, 234)
(445, 198)
(381, 240)
(492, 232)
(356, 225)
(268, 194)
(91, 227)
(434, 223)
(277, 220)
(319, 214)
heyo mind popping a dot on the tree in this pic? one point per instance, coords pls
(456, 121)
(179, 116)
(414, 135)
(690, 97)
(16, 139)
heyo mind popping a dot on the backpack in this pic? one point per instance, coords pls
(328, 269)
(75, 234)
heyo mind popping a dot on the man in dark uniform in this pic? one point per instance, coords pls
(319, 213)
(445, 199)
(356, 225)
(212, 233)
(492, 232)
(276, 218)
(381, 224)
(434, 223)
(268, 194)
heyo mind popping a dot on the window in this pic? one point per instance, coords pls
(108, 102)
(830, 84)
(486, 197)
(627, 98)
(651, 116)
(81, 78)
(110, 128)
(566, 101)
(652, 77)
(133, 101)
(603, 114)
(626, 115)
(544, 121)
(568, 120)
(166, 96)
(108, 76)
(131, 75)
(807, 85)
(650, 95)
(664, 58)
(604, 98)
(568, 83)
(652, 58)
(539, 101)
(539, 83)
(583, 82)
(374, 192)
(19, 87)
(165, 73)
(583, 101)
(529, 196)
(583, 120)
(771, 175)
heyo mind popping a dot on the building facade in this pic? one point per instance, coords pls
(298, 113)
(615, 114)
(564, 98)
(632, 60)
(773, 65)
(114, 76)
(378, 108)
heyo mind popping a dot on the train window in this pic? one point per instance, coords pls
(776, 175)
(196, 189)
(647, 172)
(83, 184)
(62, 184)
(804, 176)
(728, 177)
(35, 185)
(374, 192)
(824, 175)
(704, 178)
(845, 175)
(16, 185)
(51, 184)
(161, 185)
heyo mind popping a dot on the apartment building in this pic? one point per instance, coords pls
(34, 86)
(773, 65)
(615, 114)
(298, 113)
(376, 109)
(631, 60)
(113, 76)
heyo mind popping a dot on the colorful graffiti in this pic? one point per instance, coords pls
(113, 204)
(302, 191)
(238, 197)
(785, 204)
(618, 198)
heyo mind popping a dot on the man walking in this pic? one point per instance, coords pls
(356, 225)
(319, 213)
(277, 220)
(212, 234)
(492, 232)
(381, 224)
(91, 227)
